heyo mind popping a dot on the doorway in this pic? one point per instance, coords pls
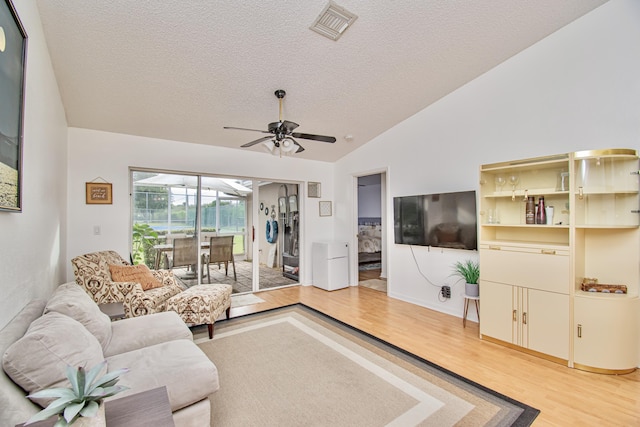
(278, 234)
(371, 221)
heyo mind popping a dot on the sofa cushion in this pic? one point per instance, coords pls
(137, 332)
(134, 273)
(179, 365)
(14, 408)
(39, 359)
(71, 300)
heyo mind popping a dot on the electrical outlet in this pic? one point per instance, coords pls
(445, 291)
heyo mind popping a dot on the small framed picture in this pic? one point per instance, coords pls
(313, 189)
(99, 193)
(325, 208)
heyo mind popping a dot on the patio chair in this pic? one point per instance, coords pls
(185, 253)
(145, 292)
(168, 254)
(205, 238)
(220, 251)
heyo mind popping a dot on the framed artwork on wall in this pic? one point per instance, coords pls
(313, 189)
(325, 208)
(13, 54)
(99, 193)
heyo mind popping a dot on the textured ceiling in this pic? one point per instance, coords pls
(181, 70)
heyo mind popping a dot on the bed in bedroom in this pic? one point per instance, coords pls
(369, 242)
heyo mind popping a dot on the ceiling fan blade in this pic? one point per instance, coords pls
(253, 130)
(322, 138)
(257, 141)
(289, 126)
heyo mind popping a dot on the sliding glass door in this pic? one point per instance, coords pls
(278, 234)
(211, 229)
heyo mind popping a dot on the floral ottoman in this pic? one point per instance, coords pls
(202, 304)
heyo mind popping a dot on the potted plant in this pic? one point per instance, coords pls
(82, 403)
(469, 271)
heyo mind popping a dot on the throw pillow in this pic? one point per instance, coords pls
(134, 273)
(71, 300)
(40, 358)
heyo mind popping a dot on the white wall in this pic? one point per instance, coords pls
(369, 201)
(95, 154)
(33, 242)
(577, 89)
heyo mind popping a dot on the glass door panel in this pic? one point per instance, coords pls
(165, 223)
(226, 212)
(277, 234)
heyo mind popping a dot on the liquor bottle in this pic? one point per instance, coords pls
(541, 215)
(530, 214)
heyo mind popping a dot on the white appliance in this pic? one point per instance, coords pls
(330, 265)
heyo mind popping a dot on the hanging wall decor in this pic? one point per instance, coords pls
(313, 189)
(13, 49)
(99, 193)
(325, 208)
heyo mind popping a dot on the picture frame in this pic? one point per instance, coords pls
(325, 208)
(13, 51)
(314, 189)
(99, 193)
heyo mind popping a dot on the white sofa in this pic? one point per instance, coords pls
(70, 329)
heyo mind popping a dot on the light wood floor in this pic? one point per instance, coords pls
(565, 397)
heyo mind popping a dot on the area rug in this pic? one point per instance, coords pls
(375, 284)
(370, 266)
(245, 299)
(294, 366)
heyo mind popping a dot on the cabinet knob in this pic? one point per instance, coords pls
(548, 251)
(524, 318)
(579, 331)
(515, 315)
(494, 248)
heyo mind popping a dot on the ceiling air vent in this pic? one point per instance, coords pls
(333, 21)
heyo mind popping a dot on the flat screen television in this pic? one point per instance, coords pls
(446, 220)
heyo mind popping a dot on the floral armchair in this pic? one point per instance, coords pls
(93, 272)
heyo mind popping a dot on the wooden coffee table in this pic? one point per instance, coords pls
(149, 408)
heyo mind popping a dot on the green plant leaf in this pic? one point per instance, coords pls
(72, 376)
(54, 392)
(111, 377)
(90, 409)
(53, 409)
(81, 382)
(72, 410)
(92, 375)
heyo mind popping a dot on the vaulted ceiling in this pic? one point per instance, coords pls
(181, 70)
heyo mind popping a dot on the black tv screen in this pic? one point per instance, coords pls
(446, 220)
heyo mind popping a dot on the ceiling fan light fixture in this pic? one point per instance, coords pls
(287, 146)
(269, 145)
(333, 21)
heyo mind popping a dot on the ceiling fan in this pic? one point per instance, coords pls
(282, 133)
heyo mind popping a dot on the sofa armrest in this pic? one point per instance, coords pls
(166, 277)
(130, 294)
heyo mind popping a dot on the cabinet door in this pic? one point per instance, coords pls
(496, 311)
(606, 333)
(531, 267)
(547, 318)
